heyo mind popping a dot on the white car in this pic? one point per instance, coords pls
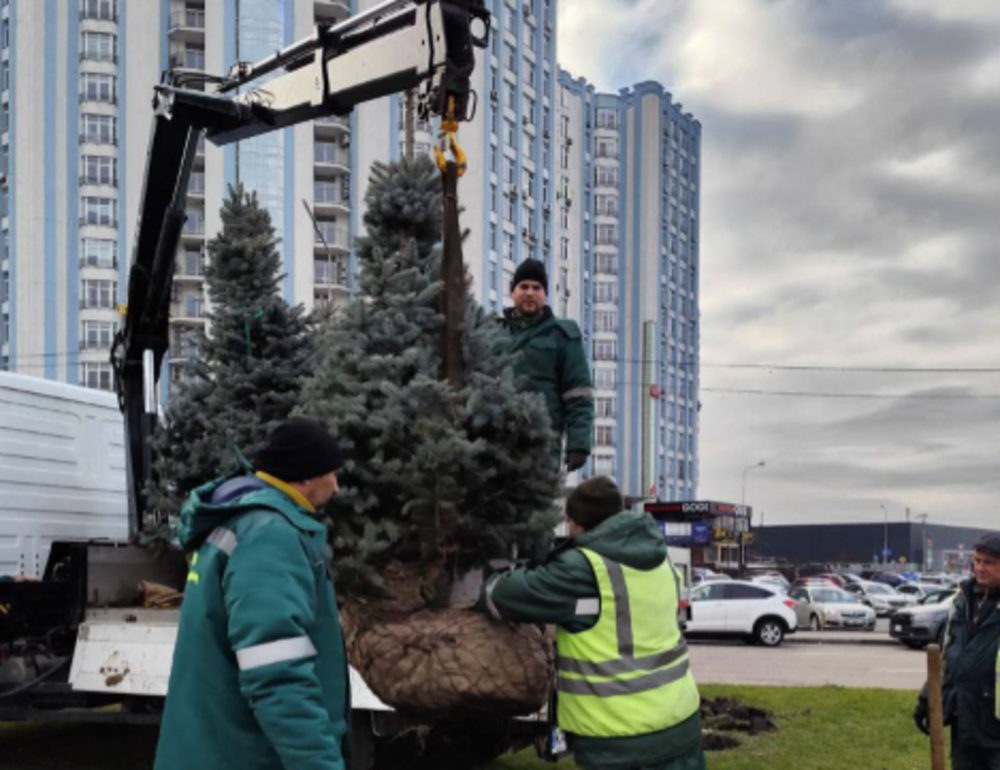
(885, 600)
(820, 608)
(758, 613)
(914, 593)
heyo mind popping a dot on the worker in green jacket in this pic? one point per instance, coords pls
(625, 695)
(552, 361)
(971, 685)
(260, 678)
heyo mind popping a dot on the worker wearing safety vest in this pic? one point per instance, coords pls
(972, 665)
(625, 695)
(260, 678)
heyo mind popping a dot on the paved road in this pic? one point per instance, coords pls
(888, 666)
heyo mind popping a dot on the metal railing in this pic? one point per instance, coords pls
(187, 19)
(330, 193)
(96, 138)
(101, 264)
(331, 234)
(98, 221)
(330, 153)
(111, 181)
(189, 58)
(196, 185)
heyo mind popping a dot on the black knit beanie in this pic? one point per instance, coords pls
(530, 270)
(594, 501)
(299, 450)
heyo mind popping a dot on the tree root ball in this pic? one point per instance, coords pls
(449, 662)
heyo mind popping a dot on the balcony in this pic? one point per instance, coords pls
(94, 10)
(99, 264)
(87, 345)
(190, 310)
(331, 235)
(330, 275)
(331, 159)
(99, 56)
(194, 225)
(99, 97)
(93, 221)
(188, 59)
(331, 197)
(332, 126)
(196, 185)
(107, 181)
(90, 304)
(99, 138)
(187, 26)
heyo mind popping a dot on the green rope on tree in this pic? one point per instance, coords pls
(246, 326)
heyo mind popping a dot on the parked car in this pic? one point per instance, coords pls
(850, 577)
(701, 575)
(819, 582)
(888, 578)
(757, 613)
(942, 578)
(818, 608)
(885, 600)
(775, 579)
(923, 624)
(915, 592)
(936, 597)
(837, 580)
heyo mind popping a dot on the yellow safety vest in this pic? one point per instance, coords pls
(630, 673)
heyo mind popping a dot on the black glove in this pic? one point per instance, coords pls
(575, 460)
(921, 717)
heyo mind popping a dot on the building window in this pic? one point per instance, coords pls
(509, 132)
(607, 235)
(607, 147)
(604, 379)
(530, 72)
(99, 169)
(98, 87)
(99, 294)
(96, 375)
(605, 350)
(607, 205)
(97, 335)
(99, 46)
(529, 110)
(604, 466)
(606, 406)
(607, 118)
(605, 321)
(604, 435)
(510, 58)
(98, 211)
(606, 291)
(508, 171)
(99, 252)
(98, 129)
(508, 246)
(607, 176)
(606, 263)
(103, 10)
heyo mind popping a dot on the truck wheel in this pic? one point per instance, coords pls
(769, 632)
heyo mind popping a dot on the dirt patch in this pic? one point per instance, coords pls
(724, 719)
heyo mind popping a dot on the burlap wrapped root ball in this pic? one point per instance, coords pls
(450, 661)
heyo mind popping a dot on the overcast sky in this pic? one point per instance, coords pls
(850, 218)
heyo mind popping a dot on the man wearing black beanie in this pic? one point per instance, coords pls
(552, 360)
(626, 696)
(259, 628)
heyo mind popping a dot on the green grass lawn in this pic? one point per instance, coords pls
(828, 728)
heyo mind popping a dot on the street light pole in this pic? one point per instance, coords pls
(885, 546)
(923, 550)
(743, 488)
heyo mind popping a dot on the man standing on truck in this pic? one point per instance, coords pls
(552, 360)
(260, 678)
(626, 697)
(972, 666)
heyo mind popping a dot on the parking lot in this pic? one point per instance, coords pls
(805, 659)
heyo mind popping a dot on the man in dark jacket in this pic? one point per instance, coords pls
(552, 360)
(259, 678)
(972, 666)
(626, 697)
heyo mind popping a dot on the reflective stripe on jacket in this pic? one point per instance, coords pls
(630, 673)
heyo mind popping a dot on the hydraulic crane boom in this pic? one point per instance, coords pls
(397, 46)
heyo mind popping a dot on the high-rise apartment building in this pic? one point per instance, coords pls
(77, 83)
(628, 216)
(603, 188)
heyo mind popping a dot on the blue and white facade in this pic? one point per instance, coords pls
(77, 80)
(629, 218)
(508, 191)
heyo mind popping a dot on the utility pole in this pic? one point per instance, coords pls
(923, 550)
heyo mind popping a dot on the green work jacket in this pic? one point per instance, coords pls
(971, 671)
(554, 364)
(562, 592)
(259, 678)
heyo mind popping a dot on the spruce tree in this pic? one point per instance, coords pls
(435, 476)
(250, 366)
